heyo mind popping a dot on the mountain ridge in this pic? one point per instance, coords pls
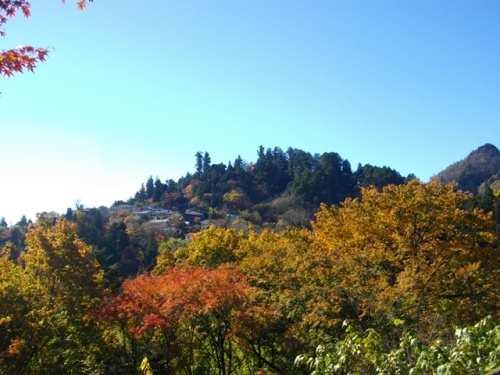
(477, 171)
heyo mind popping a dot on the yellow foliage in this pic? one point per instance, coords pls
(49, 292)
(62, 270)
(403, 252)
(410, 252)
(211, 247)
(237, 198)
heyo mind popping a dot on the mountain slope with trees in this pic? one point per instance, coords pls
(478, 171)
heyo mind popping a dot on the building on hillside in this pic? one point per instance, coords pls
(163, 225)
(124, 207)
(193, 217)
(161, 214)
(143, 213)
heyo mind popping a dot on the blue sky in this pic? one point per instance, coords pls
(136, 89)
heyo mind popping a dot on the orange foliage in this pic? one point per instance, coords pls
(163, 302)
(15, 347)
(198, 313)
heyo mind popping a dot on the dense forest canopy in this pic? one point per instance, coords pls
(304, 181)
(304, 264)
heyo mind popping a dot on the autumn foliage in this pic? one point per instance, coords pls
(249, 302)
(164, 301)
(410, 251)
(21, 58)
(186, 306)
(45, 298)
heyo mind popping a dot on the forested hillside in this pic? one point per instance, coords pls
(283, 188)
(477, 172)
(375, 283)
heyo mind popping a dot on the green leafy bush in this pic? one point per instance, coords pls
(473, 350)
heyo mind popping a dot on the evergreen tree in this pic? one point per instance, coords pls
(23, 222)
(141, 196)
(158, 190)
(170, 186)
(199, 163)
(206, 162)
(379, 177)
(90, 227)
(69, 214)
(150, 187)
(117, 240)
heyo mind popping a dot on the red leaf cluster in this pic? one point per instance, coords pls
(163, 302)
(22, 58)
(19, 59)
(9, 8)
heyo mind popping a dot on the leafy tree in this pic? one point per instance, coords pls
(132, 256)
(332, 179)
(473, 350)
(55, 284)
(166, 250)
(239, 166)
(171, 186)
(411, 252)
(185, 320)
(67, 261)
(236, 199)
(12, 307)
(90, 226)
(117, 241)
(180, 226)
(175, 200)
(211, 247)
(237, 176)
(150, 250)
(275, 264)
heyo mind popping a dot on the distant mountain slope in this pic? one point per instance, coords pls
(478, 170)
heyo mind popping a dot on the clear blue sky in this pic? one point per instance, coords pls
(134, 89)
